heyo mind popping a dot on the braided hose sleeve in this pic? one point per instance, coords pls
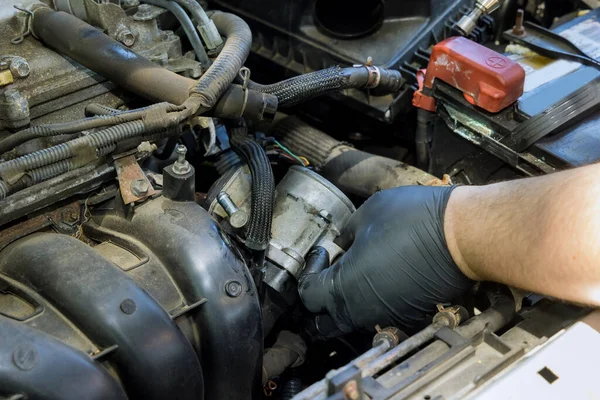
(304, 87)
(258, 230)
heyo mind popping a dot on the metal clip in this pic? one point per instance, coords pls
(244, 74)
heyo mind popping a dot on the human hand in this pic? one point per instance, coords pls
(396, 269)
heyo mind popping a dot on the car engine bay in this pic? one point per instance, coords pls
(166, 167)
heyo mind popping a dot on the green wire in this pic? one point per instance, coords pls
(288, 151)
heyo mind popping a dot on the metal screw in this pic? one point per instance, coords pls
(237, 218)
(126, 37)
(518, 29)
(128, 306)
(233, 288)
(19, 67)
(25, 357)
(140, 187)
(350, 390)
(181, 166)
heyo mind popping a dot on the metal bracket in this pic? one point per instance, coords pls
(133, 183)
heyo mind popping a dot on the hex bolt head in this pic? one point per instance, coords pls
(20, 67)
(233, 288)
(126, 37)
(12, 95)
(144, 13)
(140, 187)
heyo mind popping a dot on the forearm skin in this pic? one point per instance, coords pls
(539, 234)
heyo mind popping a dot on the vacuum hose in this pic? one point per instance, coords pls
(303, 87)
(258, 230)
(354, 171)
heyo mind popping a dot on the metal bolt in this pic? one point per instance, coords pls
(168, 35)
(233, 288)
(126, 37)
(181, 166)
(130, 3)
(518, 29)
(12, 95)
(19, 67)
(128, 306)
(350, 391)
(140, 187)
(237, 218)
(144, 13)
(326, 215)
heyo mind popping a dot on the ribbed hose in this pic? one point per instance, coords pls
(291, 388)
(354, 171)
(82, 150)
(304, 87)
(99, 121)
(258, 230)
(227, 161)
(187, 26)
(215, 81)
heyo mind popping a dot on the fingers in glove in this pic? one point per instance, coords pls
(312, 290)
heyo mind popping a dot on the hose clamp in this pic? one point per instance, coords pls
(374, 76)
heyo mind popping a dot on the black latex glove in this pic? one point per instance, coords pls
(396, 269)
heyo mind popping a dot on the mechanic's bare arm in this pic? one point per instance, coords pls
(540, 234)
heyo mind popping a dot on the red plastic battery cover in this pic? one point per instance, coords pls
(487, 79)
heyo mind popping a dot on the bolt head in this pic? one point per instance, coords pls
(126, 37)
(144, 13)
(140, 187)
(20, 68)
(181, 150)
(12, 95)
(233, 288)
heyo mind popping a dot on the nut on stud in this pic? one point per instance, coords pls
(181, 166)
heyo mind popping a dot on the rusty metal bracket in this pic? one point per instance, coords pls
(133, 183)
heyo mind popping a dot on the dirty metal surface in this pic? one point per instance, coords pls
(69, 214)
(128, 172)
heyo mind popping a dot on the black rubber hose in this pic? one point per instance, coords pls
(422, 138)
(113, 118)
(291, 388)
(354, 171)
(215, 81)
(258, 230)
(188, 27)
(304, 87)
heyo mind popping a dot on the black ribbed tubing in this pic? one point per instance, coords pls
(258, 230)
(106, 118)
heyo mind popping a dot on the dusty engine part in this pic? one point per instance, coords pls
(112, 275)
(308, 211)
(304, 200)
